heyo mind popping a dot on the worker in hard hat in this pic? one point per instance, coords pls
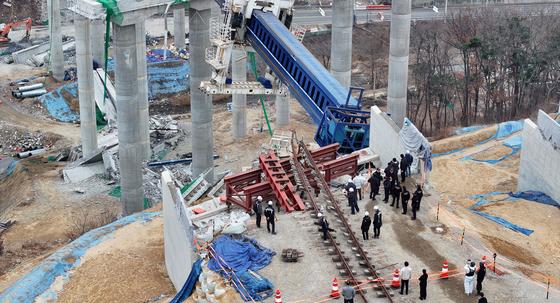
(366, 223)
(353, 200)
(270, 215)
(257, 208)
(324, 225)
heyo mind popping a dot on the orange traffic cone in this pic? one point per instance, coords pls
(278, 296)
(444, 270)
(396, 283)
(334, 291)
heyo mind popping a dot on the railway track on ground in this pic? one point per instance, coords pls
(303, 160)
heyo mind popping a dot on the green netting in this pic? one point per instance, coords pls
(114, 13)
(251, 56)
(185, 188)
(184, 2)
(99, 118)
(116, 192)
(51, 158)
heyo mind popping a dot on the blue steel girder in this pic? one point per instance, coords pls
(347, 127)
(308, 80)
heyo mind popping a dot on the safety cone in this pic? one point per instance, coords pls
(334, 291)
(278, 296)
(444, 270)
(396, 283)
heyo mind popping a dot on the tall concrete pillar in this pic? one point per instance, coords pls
(341, 41)
(398, 60)
(143, 104)
(128, 123)
(88, 130)
(179, 27)
(282, 110)
(239, 102)
(56, 55)
(201, 104)
(98, 41)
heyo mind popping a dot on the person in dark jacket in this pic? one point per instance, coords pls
(480, 274)
(270, 216)
(374, 183)
(482, 298)
(324, 225)
(409, 160)
(387, 187)
(403, 166)
(418, 194)
(353, 200)
(257, 208)
(414, 206)
(396, 193)
(366, 222)
(377, 222)
(405, 196)
(423, 284)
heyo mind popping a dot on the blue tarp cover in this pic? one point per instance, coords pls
(507, 128)
(241, 254)
(468, 129)
(36, 284)
(189, 285)
(514, 143)
(535, 196)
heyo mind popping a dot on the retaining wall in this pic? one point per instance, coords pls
(540, 157)
(384, 138)
(177, 234)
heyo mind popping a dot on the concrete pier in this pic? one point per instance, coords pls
(341, 41)
(179, 27)
(128, 122)
(88, 130)
(398, 60)
(98, 41)
(201, 104)
(282, 104)
(142, 78)
(239, 102)
(56, 55)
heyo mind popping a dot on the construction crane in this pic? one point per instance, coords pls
(5, 29)
(263, 26)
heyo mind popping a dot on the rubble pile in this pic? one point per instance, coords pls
(17, 140)
(165, 135)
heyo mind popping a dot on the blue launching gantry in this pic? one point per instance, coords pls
(264, 25)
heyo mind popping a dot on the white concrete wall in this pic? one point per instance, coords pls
(384, 138)
(540, 162)
(177, 234)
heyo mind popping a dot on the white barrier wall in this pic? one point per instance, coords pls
(384, 138)
(540, 157)
(177, 234)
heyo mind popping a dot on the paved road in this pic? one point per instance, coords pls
(312, 16)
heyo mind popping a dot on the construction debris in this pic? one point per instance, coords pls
(291, 255)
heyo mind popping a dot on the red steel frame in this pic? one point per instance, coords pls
(280, 183)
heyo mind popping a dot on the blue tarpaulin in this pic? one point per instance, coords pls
(7, 167)
(190, 284)
(507, 128)
(37, 283)
(240, 255)
(56, 102)
(534, 196)
(468, 129)
(168, 77)
(514, 143)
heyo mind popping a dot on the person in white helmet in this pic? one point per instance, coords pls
(324, 225)
(377, 222)
(366, 223)
(269, 213)
(257, 208)
(353, 201)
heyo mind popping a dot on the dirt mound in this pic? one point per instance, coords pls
(23, 9)
(493, 153)
(464, 141)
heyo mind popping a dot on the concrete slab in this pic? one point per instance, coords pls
(132, 11)
(82, 172)
(22, 56)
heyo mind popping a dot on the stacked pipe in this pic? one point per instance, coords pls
(33, 90)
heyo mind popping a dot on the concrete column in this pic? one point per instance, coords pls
(98, 41)
(201, 104)
(398, 60)
(88, 130)
(128, 123)
(341, 41)
(56, 55)
(143, 104)
(282, 110)
(239, 102)
(179, 27)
